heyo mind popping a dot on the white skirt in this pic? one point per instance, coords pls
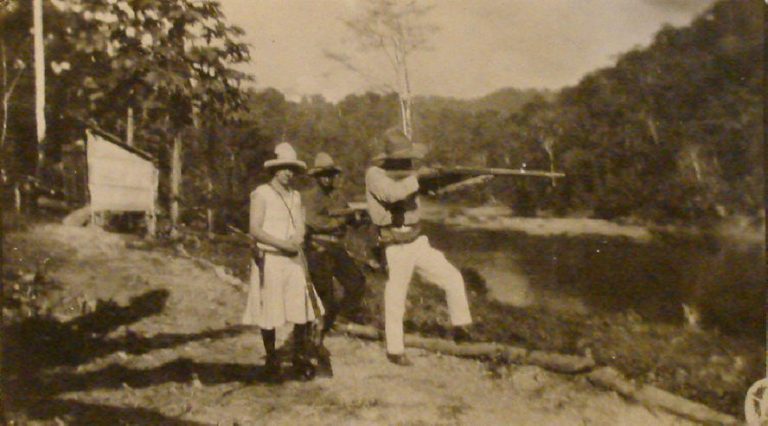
(284, 297)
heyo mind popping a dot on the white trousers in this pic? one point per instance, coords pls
(430, 264)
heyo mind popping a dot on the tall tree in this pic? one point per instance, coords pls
(163, 59)
(397, 29)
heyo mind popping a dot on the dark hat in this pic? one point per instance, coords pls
(397, 146)
(324, 164)
(285, 157)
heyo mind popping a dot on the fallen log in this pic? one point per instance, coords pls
(609, 378)
(606, 377)
(560, 363)
(570, 364)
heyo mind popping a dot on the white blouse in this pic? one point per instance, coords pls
(280, 217)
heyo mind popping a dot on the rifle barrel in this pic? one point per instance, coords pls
(504, 172)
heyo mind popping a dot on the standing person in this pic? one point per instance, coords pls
(279, 292)
(392, 196)
(328, 258)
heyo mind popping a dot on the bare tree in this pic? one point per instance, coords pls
(397, 29)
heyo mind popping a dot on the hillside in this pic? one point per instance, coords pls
(507, 101)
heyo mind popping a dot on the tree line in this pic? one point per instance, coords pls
(671, 132)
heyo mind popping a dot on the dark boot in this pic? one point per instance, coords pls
(302, 367)
(461, 334)
(272, 373)
(399, 359)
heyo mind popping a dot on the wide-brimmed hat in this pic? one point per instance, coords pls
(324, 164)
(397, 146)
(285, 157)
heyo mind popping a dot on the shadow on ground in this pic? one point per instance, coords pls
(41, 355)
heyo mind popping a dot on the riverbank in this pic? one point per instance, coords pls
(99, 333)
(501, 218)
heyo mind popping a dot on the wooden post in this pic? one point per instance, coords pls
(129, 127)
(37, 28)
(175, 184)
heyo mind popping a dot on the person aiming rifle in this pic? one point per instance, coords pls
(392, 196)
(326, 219)
(280, 291)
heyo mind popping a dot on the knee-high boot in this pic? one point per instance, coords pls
(272, 364)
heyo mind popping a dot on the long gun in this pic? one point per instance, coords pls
(439, 180)
(496, 171)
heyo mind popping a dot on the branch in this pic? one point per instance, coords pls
(346, 62)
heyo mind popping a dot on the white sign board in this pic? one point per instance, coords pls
(118, 179)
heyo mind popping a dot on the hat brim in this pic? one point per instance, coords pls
(327, 169)
(296, 164)
(416, 152)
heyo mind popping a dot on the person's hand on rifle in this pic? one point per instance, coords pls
(426, 172)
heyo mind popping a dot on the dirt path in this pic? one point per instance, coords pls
(166, 352)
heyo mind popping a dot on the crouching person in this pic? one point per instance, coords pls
(279, 291)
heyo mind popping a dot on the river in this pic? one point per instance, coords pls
(721, 281)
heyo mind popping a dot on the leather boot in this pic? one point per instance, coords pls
(272, 372)
(461, 334)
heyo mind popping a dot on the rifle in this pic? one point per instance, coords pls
(431, 179)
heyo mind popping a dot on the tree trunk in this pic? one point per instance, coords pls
(209, 170)
(37, 17)
(5, 94)
(175, 184)
(403, 85)
(129, 127)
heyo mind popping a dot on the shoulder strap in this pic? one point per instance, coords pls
(285, 203)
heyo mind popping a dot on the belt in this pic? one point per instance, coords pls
(278, 253)
(392, 235)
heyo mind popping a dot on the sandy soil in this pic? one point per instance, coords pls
(167, 353)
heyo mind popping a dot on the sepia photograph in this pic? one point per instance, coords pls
(383, 212)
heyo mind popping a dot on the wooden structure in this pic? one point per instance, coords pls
(121, 178)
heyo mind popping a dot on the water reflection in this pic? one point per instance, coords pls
(721, 281)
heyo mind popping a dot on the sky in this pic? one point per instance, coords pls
(480, 45)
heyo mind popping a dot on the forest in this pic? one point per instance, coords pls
(671, 133)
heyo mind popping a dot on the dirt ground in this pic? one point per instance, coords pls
(143, 337)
